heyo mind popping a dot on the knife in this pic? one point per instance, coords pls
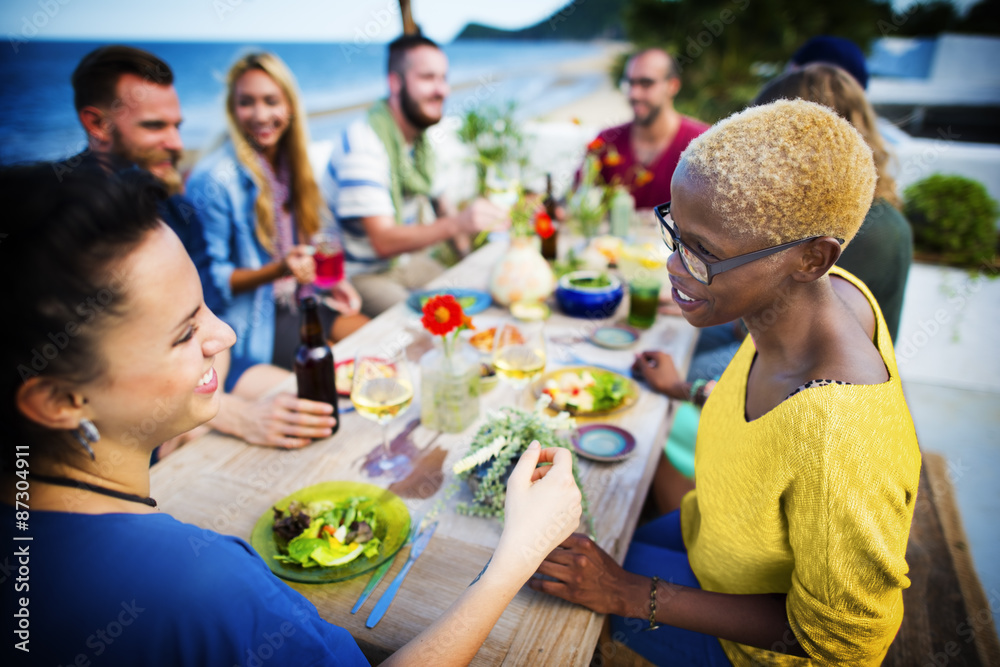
(383, 602)
(380, 573)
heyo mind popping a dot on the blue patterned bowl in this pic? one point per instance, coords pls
(589, 302)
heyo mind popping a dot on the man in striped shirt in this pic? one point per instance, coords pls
(380, 186)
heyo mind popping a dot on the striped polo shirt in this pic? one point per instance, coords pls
(355, 185)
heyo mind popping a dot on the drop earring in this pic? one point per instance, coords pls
(85, 434)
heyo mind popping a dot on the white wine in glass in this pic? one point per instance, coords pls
(519, 353)
(381, 399)
(380, 391)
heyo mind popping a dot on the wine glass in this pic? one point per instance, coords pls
(381, 390)
(519, 352)
(502, 183)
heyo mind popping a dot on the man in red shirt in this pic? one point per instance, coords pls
(642, 154)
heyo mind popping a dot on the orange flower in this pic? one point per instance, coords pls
(443, 314)
(574, 120)
(595, 145)
(643, 177)
(612, 159)
(543, 225)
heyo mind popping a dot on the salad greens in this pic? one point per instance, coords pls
(326, 533)
(608, 390)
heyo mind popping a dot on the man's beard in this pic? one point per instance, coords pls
(171, 180)
(411, 110)
(647, 120)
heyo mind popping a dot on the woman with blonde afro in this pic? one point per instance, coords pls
(791, 548)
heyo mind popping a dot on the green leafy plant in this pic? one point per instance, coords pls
(953, 216)
(495, 136)
(496, 448)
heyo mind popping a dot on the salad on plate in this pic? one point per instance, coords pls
(326, 533)
(586, 391)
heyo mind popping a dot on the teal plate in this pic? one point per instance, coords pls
(615, 336)
(472, 301)
(603, 442)
(393, 528)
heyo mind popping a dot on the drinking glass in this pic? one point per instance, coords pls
(381, 390)
(519, 352)
(329, 256)
(644, 300)
(502, 183)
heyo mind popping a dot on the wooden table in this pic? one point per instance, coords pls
(221, 483)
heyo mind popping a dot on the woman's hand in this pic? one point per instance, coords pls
(585, 574)
(344, 298)
(285, 421)
(541, 510)
(660, 373)
(300, 263)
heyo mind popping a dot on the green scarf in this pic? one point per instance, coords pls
(408, 175)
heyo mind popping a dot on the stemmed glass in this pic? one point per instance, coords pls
(381, 390)
(502, 184)
(519, 352)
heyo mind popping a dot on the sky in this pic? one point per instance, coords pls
(264, 20)
(257, 20)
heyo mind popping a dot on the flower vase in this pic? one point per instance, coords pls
(522, 274)
(449, 387)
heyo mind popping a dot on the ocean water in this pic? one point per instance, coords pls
(37, 120)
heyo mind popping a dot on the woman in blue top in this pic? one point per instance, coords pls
(112, 353)
(260, 207)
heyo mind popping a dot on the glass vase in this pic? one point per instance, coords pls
(449, 387)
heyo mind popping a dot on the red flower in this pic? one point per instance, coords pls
(543, 225)
(443, 314)
(643, 177)
(595, 145)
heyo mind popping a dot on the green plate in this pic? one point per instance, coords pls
(393, 529)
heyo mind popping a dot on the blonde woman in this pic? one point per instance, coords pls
(260, 206)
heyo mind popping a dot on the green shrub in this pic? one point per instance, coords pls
(953, 216)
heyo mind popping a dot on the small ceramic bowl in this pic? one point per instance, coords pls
(590, 302)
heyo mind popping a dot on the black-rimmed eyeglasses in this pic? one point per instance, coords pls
(700, 268)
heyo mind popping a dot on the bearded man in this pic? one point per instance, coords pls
(380, 183)
(642, 154)
(126, 102)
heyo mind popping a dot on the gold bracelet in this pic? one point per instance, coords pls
(652, 606)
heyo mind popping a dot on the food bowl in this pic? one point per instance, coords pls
(578, 297)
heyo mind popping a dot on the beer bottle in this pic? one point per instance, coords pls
(549, 242)
(314, 360)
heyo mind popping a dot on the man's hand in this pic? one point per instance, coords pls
(482, 215)
(283, 420)
(659, 372)
(301, 264)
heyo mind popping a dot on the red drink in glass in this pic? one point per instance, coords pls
(329, 260)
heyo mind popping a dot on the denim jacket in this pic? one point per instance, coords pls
(223, 192)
